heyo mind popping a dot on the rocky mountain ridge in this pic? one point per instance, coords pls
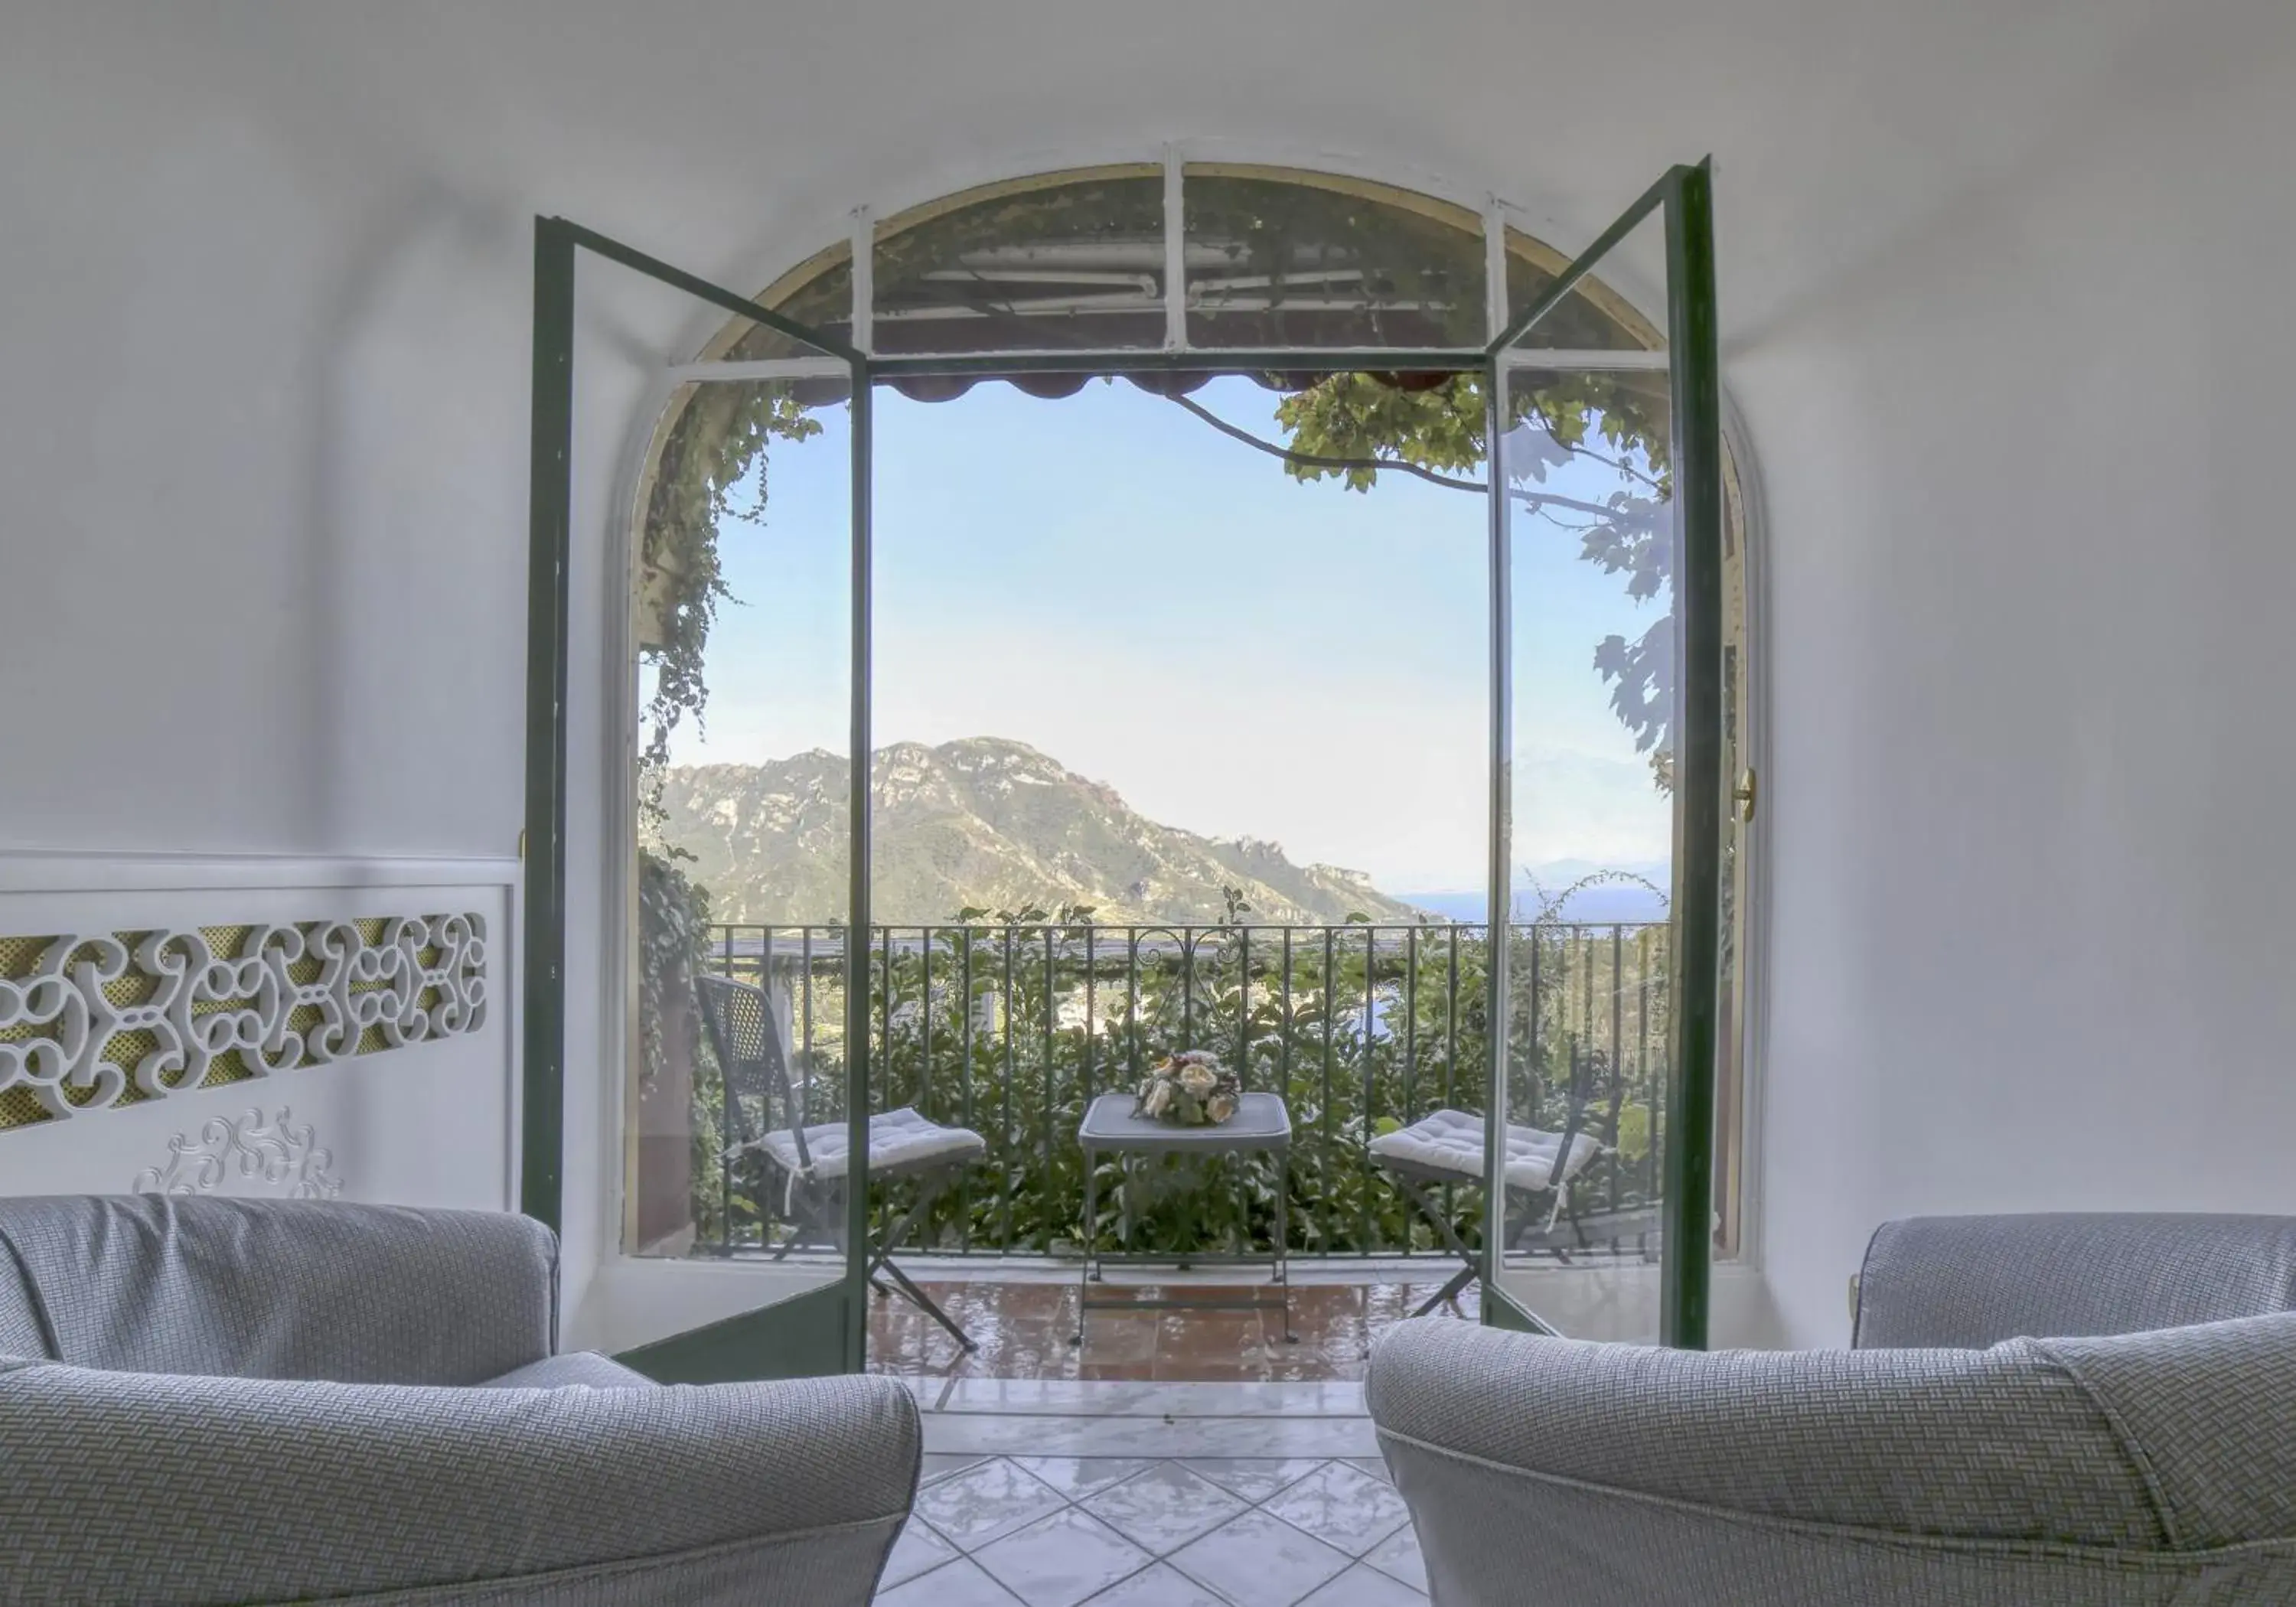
(984, 821)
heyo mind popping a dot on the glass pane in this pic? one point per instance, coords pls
(1280, 258)
(1082, 726)
(1594, 317)
(1589, 524)
(817, 293)
(742, 609)
(1061, 262)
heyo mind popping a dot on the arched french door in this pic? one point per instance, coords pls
(1619, 1052)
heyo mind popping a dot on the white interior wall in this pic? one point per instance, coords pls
(2031, 563)
(2004, 314)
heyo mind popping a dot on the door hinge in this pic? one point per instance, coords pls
(1747, 794)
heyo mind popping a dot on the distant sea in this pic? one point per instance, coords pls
(1605, 903)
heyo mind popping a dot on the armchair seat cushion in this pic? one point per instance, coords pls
(586, 1367)
(898, 1141)
(1451, 1141)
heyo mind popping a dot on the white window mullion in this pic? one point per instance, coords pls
(865, 283)
(1558, 357)
(1495, 265)
(768, 369)
(1175, 254)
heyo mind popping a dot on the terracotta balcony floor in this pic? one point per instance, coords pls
(1024, 1328)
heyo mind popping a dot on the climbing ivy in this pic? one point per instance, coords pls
(714, 446)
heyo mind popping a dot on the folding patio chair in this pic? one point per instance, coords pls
(807, 1166)
(1445, 1147)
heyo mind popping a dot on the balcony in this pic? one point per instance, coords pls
(1012, 1029)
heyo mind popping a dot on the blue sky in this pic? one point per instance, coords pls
(1107, 579)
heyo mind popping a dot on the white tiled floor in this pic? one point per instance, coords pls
(1312, 1522)
(1165, 1507)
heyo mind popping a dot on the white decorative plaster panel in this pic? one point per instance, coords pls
(97, 1015)
(245, 1155)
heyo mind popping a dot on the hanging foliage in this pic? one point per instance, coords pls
(714, 447)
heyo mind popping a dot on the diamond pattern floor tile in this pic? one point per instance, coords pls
(918, 1551)
(1162, 1586)
(1059, 1560)
(1088, 1530)
(959, 1583)
(1397, 1556)
(1254, 1477)
(1361, 1586)
(1075, 1476)
(1342, 1507)
(1163, 1507)
(1257, 1560)
(940, 1464)
(995, 1498)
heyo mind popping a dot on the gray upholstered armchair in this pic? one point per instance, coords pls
(210, 1401)
(2145, 1454)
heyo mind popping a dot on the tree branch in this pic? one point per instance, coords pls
(1548, 420)
(1315, 460)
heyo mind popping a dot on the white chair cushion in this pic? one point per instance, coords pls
(1452, 1140)
(896, 1139)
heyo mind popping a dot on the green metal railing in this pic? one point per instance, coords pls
(1012, 1030)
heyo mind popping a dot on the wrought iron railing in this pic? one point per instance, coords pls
(1011, 1031)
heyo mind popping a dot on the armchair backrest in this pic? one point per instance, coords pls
(1970, 1282)
(303, 1289)
(745, 1036)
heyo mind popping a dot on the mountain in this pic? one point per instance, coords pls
(983, 822)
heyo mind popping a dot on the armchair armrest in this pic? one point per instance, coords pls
(185, 1492)
(1975, 1281)
(285, 1288)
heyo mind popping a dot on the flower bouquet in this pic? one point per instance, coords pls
(1189, 1090)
